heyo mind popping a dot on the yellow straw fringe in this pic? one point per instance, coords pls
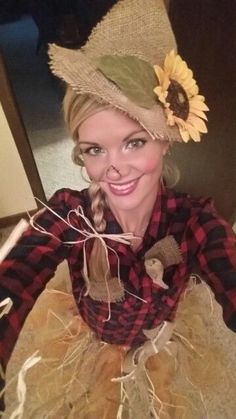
(5, 306)
(192, 377)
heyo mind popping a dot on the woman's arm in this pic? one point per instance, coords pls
(215, 244)
(28, 267)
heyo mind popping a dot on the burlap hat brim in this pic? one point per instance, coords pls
(132, 27)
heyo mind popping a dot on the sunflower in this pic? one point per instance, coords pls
(179, 93)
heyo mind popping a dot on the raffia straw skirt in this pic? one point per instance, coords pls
(193, 376)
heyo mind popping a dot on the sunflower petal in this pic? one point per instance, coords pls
(198, 113)
(184, 134)
(200, 106)
(166, 82)
(177, 62)
(158, 90)
(160, 94)
(169, 62)
(182, 72)
(193, 132)
(170, 117)
(189, 84)
(160, 73)
(200, 97)
(197, 123)
(193, 91)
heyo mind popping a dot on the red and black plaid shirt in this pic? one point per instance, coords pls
(202, 237)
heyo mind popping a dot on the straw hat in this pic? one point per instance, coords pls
(130, 62)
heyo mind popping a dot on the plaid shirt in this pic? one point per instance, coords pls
(202, 237)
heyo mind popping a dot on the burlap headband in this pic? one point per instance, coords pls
(130, 63)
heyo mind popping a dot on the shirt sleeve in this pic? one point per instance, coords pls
(214, 243)
(28, 267)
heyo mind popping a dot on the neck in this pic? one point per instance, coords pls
(136, 220)
(135, 223)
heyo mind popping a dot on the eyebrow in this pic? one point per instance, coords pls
(125, 139)
(89, 143)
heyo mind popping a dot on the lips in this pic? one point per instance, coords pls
(124, 188)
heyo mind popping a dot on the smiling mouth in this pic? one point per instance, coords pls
(124, 188)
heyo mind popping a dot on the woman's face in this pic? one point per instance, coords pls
(120, 155)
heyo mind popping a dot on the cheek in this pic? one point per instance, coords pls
(94, 170)
(152, 165)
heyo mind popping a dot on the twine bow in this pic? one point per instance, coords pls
(86, 235)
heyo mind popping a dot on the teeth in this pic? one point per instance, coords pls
(122, 187)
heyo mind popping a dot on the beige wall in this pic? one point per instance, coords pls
(15, 192)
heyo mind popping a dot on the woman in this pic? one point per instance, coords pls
(131, 243)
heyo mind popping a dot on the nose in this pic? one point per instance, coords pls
(113, 173)
(117, 167)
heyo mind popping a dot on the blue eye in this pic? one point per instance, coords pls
(136, 143)
(92, 151)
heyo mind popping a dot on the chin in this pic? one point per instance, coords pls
(126, 203)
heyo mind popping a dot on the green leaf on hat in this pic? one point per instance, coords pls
(134, 77)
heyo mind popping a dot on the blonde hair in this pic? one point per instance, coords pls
(77, 108)
(170, 172)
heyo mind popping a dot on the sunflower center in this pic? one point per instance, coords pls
(178, 100)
